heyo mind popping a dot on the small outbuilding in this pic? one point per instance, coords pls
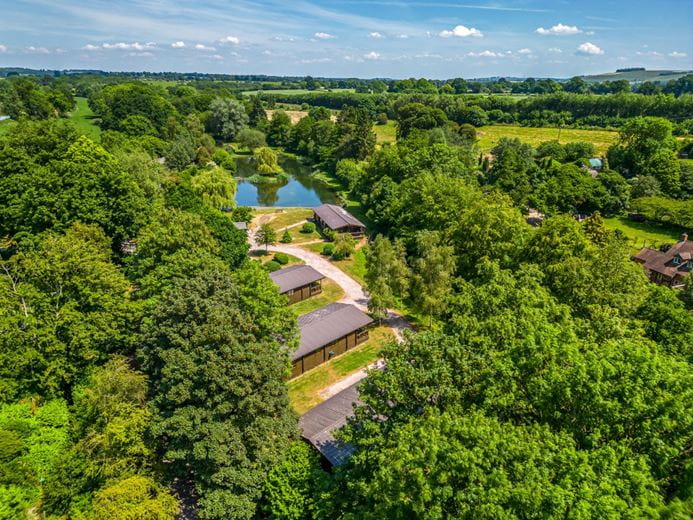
(328, 332)
(595, 163)
(241, 226)
(298, 282)
(319, 424)
(338, 219)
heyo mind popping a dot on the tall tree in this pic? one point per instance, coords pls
(216, 187)
(433, 268)
(266, 236)
(221, 408)
(227, 119)
(387, 274)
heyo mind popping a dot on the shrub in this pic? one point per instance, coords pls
(381, 119)
(308, 227)
(328, 249)
(328, 234)
(223, 158)
(286, 237)
(272, 266)
(281, 258)
(344, 246)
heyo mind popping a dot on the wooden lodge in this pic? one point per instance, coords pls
(298, 282)
(669, 267)
(327, 333)
(338, 220)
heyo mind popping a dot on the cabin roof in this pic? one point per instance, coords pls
(319, 424)
(295, 276)
(662, 262)
(336, 217)
(327, 324)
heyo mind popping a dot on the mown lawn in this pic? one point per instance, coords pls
(490, 135)
(304, 391)
(354, 266)
(270, 256)
(331, 292)
(643, 234)
(84, 119)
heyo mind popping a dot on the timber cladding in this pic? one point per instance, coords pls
(298, 282)
(328, 332)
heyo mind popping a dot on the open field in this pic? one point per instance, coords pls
(643, 234)
(490, 135)
(83, 119)
(386, 133)
(638, 75)
(331, 292)
(293, 91)
(295, 115)
(304, 391)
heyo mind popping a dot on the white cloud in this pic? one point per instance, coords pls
(324, 36)
(559, 30)
(135, 46)
(315, 60)
(649, 53)
(90, 47)
(203, 47)
(485, 54)
(677, 54)
(178, 45)
(460, 31)
(37, 50)
(145, 54)
(230, 39)
(376, 35)
(218, 57)
(524, 51)
(372, 56)
(3, 48)
(402, 36)
(283, 38)
(589, 49)
(555, 49)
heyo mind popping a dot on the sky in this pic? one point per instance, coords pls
(349, 38)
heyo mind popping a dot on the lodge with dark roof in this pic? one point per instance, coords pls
(326, 333)
(298, 282)
(668, 267)
(338, 220)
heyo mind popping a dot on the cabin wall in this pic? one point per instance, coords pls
(305, 292)
(329, 351)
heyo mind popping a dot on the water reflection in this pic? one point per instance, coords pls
(301, 189)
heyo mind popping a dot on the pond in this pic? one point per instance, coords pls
(300, 190)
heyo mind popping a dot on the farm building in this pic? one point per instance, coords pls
(327, 333)
(318, 425)
(338, 219)
(668, 267)
(298, 282)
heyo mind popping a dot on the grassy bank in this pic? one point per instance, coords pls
(84, 119)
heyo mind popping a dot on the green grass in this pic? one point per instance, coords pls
(490, 135)
(304, 391)
(294, 91)
(264, 258)
(84, 119)
(386, 133)
(331, 292)
(354, 266)
(643, 234)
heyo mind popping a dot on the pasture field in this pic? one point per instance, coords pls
(386, 133)
(84, 119)
(489, 135)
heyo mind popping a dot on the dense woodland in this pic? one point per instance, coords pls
(548, 378)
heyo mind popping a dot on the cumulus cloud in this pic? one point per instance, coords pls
(145, 54)
(589, 49)
(234, 40)
(324, 36)
(315, 60)
(372, 56)
(402, 36)
(376, 35)
(649, 53)
(37, 50)
(178, 45)
(203, 47)
(525, 51)
(90, 47)
(555, 49)
(460, 31)
(135, 46)
(559, 30)
(677, 54)
(485, 54)
(3, 48)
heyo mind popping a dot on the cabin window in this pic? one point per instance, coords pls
(289, 292)
(361, 335)
(330, 354)
(677, 260)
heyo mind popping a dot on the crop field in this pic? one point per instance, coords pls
(490, 135)
(84, 119)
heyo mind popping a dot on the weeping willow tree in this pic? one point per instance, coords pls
(216, 187)
(267, 161)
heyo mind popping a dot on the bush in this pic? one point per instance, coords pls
(344, 246)
(223, 158)
(251, 139)
(328, 234)
(381, 119)
(272, 266)
(286, 237)
(281, 258)
(308, 227)
(328, 249)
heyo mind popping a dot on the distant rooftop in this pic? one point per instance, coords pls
(295, 276)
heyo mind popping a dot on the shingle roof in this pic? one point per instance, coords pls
(241, 226)
(319, 424)
(336, 217)
(327, 324)
(295, 276)
(662, 263)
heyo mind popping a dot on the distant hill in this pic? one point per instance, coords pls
(638, 75)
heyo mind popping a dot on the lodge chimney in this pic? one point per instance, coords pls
(684, 237)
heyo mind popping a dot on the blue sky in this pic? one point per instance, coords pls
(340, 38)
